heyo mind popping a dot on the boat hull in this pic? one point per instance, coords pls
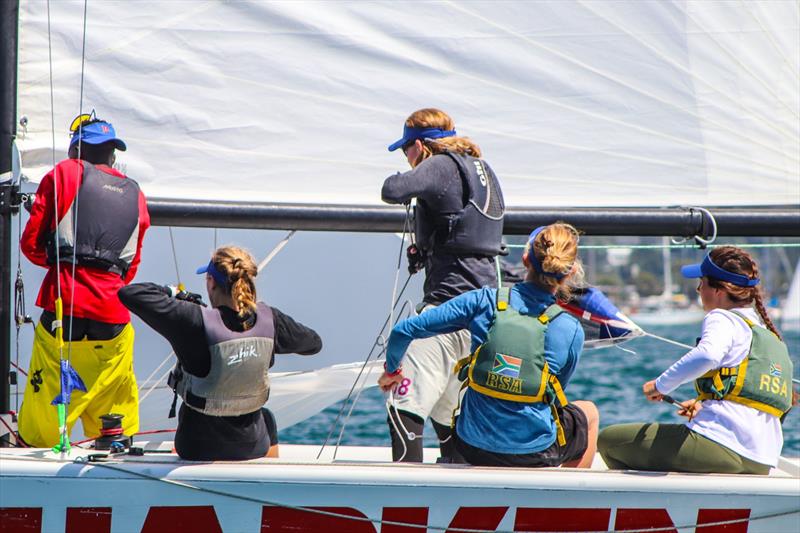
(39, 492)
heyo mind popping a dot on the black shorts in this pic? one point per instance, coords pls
(576, 431)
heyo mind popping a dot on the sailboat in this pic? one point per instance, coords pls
(275, 116)
(667, 308)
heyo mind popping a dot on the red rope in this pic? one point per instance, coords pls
(18, 368)
(12, 432)
(151, 432)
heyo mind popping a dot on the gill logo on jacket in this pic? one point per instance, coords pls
(245, 352)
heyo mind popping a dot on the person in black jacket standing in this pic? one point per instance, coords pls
(458, 230)
(224, 354)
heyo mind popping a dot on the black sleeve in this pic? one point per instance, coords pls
(425, 181)
(180, 322)
(294, 337)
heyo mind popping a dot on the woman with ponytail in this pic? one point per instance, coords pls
(524, 351)
(224, 353)
(743, 376)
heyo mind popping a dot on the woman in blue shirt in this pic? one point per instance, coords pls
(501, 422)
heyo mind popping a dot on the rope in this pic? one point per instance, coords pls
(175, 260)
(276, 250)
(669, 341)
(395, 299)
(57, 322)
(156, 382)
(358, 377)
(153, 373)
(375, 521)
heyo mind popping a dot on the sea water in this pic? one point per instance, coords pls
(612, 378)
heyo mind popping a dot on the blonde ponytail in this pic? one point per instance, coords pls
(556, 250)
(240, 268)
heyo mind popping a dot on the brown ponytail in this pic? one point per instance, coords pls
(738, 261)
(240, 268)
(556, 248)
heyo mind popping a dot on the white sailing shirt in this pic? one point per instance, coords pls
(725, 342)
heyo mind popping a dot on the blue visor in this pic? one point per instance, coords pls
(708, 269)
(212, 271)
(412, 134)
(537, 265)
(97, 133)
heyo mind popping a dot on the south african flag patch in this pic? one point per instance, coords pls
(506, 365)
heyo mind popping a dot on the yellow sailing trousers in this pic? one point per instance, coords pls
(106, 368)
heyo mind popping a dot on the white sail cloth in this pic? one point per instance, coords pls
(295, 396)
(575, 103)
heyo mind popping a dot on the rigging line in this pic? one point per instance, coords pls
(241, 497)
(154, 385)
(736, 131)
(76, 202)
(736, 61)
(573, 60)
(382, 342)
(406, 227)
(175, 259)
(19, 307)
(58, 331)
(790, 64)
(215, 238)
(358, 377)
(276, 250)
(668, 341)
(153, 373)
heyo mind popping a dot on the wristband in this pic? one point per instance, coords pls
(392, 374)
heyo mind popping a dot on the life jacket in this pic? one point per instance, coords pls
(102, 231)
(238, 381)
(511, 364)
(478, 227)
(763, 380)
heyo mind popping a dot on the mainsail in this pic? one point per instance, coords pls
(574, 103)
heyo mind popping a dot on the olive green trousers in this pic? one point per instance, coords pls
(669, 448)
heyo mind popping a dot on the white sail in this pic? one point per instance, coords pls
(575, 103)
(294, 396)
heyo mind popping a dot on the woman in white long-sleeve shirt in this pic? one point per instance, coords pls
(743, 375)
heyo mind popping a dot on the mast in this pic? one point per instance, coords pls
(9, 17)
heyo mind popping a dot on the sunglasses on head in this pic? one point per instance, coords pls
(83, 120)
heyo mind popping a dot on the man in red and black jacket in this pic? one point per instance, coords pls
(90, 219)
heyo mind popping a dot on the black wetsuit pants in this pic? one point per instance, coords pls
(407, 443)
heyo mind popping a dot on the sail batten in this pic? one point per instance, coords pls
(588, 104)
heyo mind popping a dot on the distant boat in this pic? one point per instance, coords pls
(790, 312)
(668, 308)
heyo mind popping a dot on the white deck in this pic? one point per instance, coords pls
(244, 496)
